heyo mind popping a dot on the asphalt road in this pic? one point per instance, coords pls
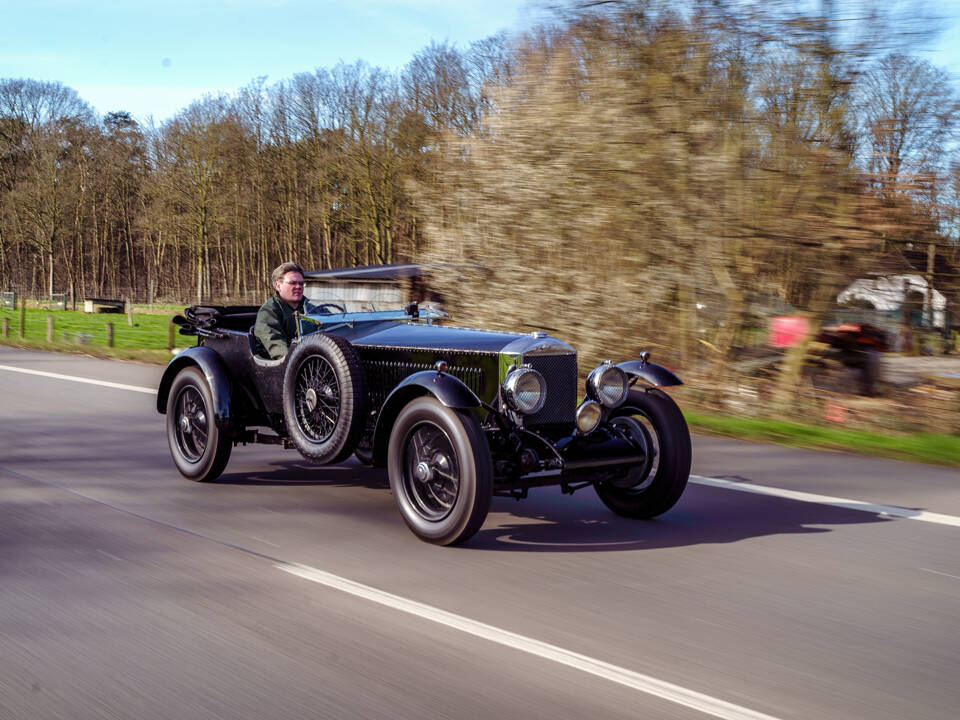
(127, 591)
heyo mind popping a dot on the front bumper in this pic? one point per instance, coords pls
(569, 458)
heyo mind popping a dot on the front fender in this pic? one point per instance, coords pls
(449, 390)
(650, 373)
(214, 370)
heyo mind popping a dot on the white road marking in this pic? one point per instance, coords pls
(937, 572)
(637, 681)
(845, 503)
(265, 542)
(73, 378)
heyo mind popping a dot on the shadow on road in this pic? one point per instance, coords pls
(548, 521)
(545, 522)
(704, 515)
(305, 473)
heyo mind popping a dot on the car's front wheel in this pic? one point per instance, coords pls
(650, 418)
(199, 446)
(440, 471)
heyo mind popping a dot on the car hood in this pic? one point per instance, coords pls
(439, 337)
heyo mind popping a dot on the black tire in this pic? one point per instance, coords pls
(324, 398)
(200, 448)
(652, 489)
(440, 471)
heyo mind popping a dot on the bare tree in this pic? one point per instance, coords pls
(909, 112)
(54, 116)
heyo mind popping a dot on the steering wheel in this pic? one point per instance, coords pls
(324, 308)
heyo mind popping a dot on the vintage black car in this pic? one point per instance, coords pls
(456, 415)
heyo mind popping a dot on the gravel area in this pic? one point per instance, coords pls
(905, 370)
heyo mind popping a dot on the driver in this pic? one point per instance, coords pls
(276, 324)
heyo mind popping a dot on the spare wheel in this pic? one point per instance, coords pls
(324, 398)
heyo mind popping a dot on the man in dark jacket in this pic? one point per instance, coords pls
(276, 324)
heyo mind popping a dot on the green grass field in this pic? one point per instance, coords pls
(149, 331)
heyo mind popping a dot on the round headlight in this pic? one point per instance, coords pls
(607, 384)
(588, 416)
(524, 389)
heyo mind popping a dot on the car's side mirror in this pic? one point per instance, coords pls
(412, 309)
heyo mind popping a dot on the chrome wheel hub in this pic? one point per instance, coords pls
(422, 472)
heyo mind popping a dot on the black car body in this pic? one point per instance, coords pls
(457, 415)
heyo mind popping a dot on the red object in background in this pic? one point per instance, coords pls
(856, 336)
(836, 413)
(788, 330)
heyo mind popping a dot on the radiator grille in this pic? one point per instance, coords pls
(560, 372)
(384, 375)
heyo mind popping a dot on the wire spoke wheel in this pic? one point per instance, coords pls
(324, 398)
(317, 399)
(431, 472)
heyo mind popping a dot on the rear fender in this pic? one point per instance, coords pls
(449, 390)
(650, 373)
(214, 370)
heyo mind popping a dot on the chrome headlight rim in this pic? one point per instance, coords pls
(588, 416)
(515, 392)
(608, 385)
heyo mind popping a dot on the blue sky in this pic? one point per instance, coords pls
(156, 56)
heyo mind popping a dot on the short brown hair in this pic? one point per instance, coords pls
(278, 272)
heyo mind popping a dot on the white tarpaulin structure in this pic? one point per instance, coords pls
(890, 293)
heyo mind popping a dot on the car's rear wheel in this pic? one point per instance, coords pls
(324, 398)
(199, 446)
(440, 471)
(651, 418)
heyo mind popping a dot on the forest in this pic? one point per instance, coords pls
(629, 173)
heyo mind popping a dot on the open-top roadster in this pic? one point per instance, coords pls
(456, 415)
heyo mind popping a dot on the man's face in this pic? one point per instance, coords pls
(291, 288)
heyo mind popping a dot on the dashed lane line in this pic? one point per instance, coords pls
(634, 680)
(847, 504)
(74, 378)
(937, 572)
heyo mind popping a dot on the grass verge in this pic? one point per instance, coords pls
(88, 331)
(917, 447)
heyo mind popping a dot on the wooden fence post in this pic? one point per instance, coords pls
(49, 328)
(170, 329)
(129, 313)
(23, 317)
(6, 328)
(110, 335)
